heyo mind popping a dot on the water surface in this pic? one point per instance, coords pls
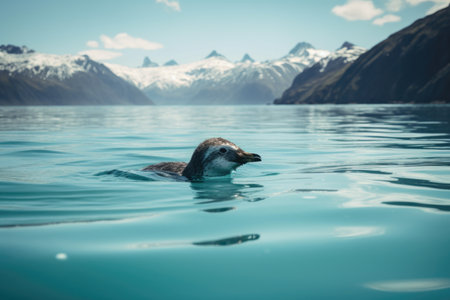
(349, 202)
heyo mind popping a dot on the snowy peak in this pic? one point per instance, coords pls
(21, 60)
(347, 53)
(147, 63)
(305, 55)
(300, 49)
(171, 63)
(319, 74)
(347, 45)
(215, 54)
(247, 59)
(34, 78)
(216, 78)
(11, 49)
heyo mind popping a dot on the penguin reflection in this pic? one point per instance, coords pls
(224, 189)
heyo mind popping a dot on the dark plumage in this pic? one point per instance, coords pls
(213, 157)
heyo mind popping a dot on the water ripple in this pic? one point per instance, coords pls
(235, 240)
(410, 285)
(420, 183)
(37, 152)
(440, 207)
(346, 197)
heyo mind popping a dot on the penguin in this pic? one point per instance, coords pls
(213, 157)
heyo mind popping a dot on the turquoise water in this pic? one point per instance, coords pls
(349, 202)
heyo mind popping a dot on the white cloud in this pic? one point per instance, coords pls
(97, 54)
(357, 10)
(394, 5)
(437, 4)
(171, 4)
(124, 41)
(386, 19)
(92, 44)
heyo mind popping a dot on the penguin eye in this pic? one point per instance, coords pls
(223, 150)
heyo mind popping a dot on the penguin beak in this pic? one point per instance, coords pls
(245, 157)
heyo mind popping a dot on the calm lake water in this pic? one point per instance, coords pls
(349, 202)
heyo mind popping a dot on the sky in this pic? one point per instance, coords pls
(124, 32)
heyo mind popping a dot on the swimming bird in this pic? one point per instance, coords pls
(213, 157)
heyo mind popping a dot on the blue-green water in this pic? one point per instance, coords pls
(349, 202)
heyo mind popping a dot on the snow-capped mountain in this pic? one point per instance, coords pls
(348, 52)
(28, 77)
(147, 63)
(247, 58)
(301, 49)
(411, 66)
(321, 73)
(215, 54)
(11, 49)
(171, 62)
(48, 66)
(216, 80)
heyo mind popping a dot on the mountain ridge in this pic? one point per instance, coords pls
(308, 81)
(410, 66)
(31, 78)
(148, 63)
(216, 80)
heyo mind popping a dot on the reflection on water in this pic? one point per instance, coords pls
(355, 231)
(354, 196)
(313, 190)
(420, 205)
(344, 169)
(420, 183)
(111, 220)
(224, 189)
(61, 256)
(235, 240)
(411, 286)
(219, 210)
(229, 241)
